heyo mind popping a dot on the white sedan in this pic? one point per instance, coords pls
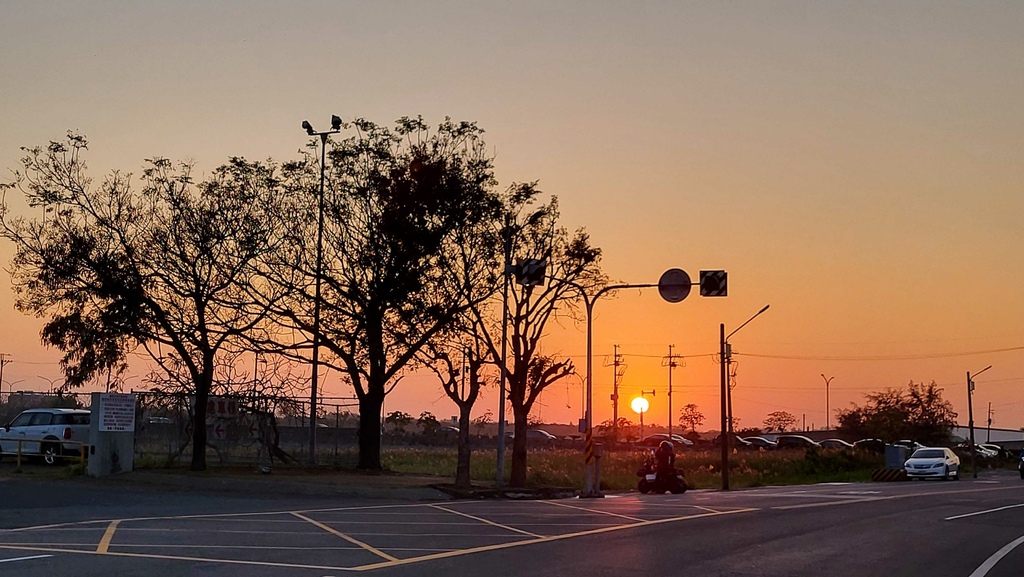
(933, 462)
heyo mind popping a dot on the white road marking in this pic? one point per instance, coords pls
(997, 509)
(989, 563)
(25, 558)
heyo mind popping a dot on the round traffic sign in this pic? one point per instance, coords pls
(674, 285)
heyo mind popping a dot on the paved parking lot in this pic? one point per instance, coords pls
(353, 538)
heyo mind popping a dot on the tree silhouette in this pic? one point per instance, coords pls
(919, 413)
(690, 417)
(780, 421)
(533, 232)
(162, 267)
(400, 205)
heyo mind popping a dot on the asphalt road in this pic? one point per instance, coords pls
(958, 529)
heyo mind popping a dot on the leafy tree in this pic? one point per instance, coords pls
(161, 267)
(428, 423)
(532, 232)
(918, 413)
(400, 205)
(398, 421)
(690, 417)
(628, 430)
(482, 421)
(780, 421)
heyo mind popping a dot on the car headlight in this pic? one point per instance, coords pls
(937, 465)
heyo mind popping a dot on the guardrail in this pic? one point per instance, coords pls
(82, 449)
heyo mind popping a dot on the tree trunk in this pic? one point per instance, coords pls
(199, 426)
(369, 431)
(518, 478)
(462, 478)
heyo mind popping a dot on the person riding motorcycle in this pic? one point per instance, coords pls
(666, 459)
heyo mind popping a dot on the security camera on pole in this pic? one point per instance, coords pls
(335, 128)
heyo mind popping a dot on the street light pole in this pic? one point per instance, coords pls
(335, 128)
(970, 416)
(507, 239)
(725, 353)
(591, 482)
(827, 381)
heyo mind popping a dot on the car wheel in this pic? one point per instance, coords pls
(945, 473)
(51, 454)
(956, 474)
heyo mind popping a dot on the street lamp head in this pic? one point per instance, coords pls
(309, 127)
(335, 122)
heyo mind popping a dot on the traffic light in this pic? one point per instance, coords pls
(713, 283)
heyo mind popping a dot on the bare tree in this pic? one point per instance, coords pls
(533, 232)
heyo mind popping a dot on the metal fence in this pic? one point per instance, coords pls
(240, 429)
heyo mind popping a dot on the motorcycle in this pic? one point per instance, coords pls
(651, 482)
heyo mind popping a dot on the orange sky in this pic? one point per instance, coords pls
(855, 165)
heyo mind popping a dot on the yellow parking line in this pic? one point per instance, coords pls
(593, 511)
(107, 536)
(176, 558)
(333, 531)
(487, 521)
(458, 553)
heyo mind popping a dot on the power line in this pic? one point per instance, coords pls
(880, 357)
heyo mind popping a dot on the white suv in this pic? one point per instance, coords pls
(46, 432)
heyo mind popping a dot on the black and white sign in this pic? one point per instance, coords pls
(117, 413)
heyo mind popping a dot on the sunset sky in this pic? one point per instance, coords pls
(857, 166)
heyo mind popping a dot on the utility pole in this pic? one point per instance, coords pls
(988, 435)
(970, 416)
(3, 361)
(725, 413)
(671, 362)
(616, 375)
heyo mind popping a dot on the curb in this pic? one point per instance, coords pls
(888, 475)
(518, 493)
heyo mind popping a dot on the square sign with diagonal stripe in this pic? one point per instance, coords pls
(713, 283)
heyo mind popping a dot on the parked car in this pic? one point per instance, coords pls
(737, 442)
(761, 443)
(535, 436)
(835, 444)
(999, 451)
(447, 433)
(933, 462)
(795, 442)
(910, 445)
(872, 445)
(679, 442)
(49, 433)
(979, 450)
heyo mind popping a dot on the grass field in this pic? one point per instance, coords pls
(564, 468)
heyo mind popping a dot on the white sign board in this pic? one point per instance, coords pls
(117, 412)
